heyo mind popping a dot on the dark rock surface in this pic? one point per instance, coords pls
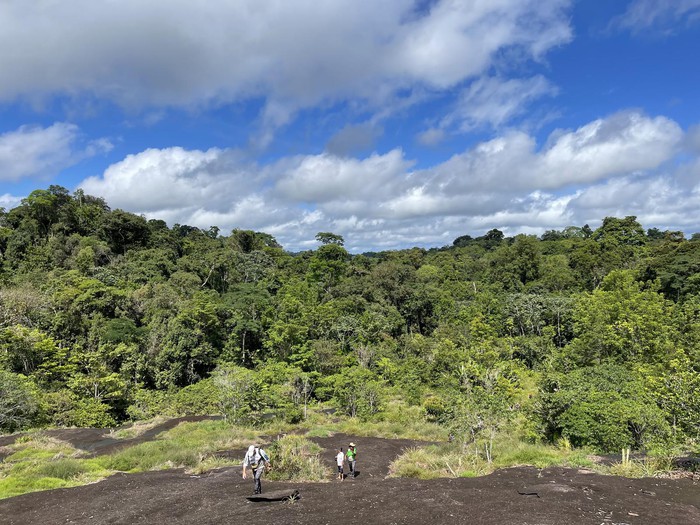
(522, 496)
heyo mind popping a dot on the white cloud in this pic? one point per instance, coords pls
(157, 180)
(495, 102)
(662, 15)
(33, 151)
(619, 144)
(431, 137)
(294, 54)
(326, 178)
(623, 143)
(8, 201)
(618, 165)
(658, 200)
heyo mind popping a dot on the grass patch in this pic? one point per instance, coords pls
(187, 445)
(42, 463)
(295, 458)
(38, 447)
(137, 429)
(511, 450)
(453, 460)
(398, 421)
(651, 465)
(436, 461)
(37, 462)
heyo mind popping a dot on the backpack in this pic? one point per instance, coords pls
(258, 456)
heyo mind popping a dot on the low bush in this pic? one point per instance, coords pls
(295, 458)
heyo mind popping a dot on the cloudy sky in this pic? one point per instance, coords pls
(394, 123)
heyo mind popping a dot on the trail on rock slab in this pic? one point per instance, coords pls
(522, 496)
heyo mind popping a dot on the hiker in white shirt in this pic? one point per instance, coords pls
(258, 461)
(340, 459)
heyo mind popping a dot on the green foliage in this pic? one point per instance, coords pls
(396, 421)
(66, 409)
(606, 407)
(676, 392)
(238, 393)
(146, 404)
(23, 350)
(18, 402)
(295, 458)
(330, 238)
(622, 321)
(111, 316)
(197, 399)
(358, 392)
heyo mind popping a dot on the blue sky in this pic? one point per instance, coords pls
(394, 123)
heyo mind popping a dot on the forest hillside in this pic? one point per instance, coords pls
(580, 336)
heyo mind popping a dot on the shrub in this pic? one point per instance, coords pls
(18, 403)
(605, 407)
(146, 404)
(237, 392)
(295, 458)
(197, 399)
(66, 409)
(358, 392)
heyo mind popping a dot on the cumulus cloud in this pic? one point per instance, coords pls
(658, 200)
(328, 179)
(33, 151)
(625, 142)
(293, 54)
(176, 182)
(618, 165)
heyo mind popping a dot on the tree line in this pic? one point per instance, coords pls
(588, 336)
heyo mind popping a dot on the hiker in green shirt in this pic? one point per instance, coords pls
(351, 455)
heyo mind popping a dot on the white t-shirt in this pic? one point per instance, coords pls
(255, 456)
(340, 458)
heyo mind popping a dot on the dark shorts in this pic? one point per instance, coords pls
(340, 469)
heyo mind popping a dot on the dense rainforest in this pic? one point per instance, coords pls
(587, 336)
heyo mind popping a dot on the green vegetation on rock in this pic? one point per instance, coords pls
(589, 337)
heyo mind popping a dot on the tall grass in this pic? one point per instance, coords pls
(453, 460)
(187, 445)
(137, 429)
(652, 464)
(295, 458)
(397, 421)
(41, 463)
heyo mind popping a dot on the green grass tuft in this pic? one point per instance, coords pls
(185, 446)
(509, 450)
(295, 458)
